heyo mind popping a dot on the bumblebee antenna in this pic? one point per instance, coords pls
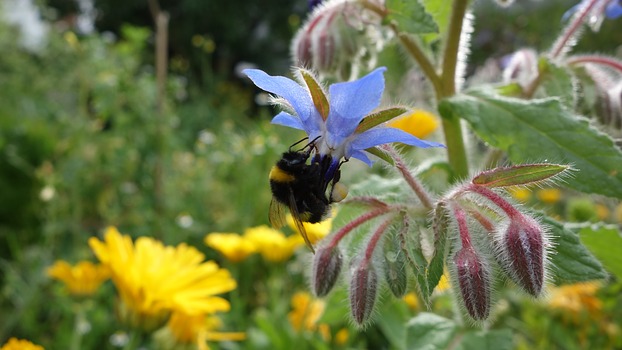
(304, 139)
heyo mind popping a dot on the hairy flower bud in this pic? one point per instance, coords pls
(521, 67)
(327, 263)
(395, 269)
(521, 252)
(338, 37)
(474, 282)
(363, 292)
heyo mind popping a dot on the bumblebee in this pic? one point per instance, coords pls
(302, 188)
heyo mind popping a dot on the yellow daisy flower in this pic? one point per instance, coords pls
(521, 194)
(418, 123)
(272, 244)
(233, 246)
(316, 231)
(183, 331)
(154, 280)
(19, 344)
(82, 279)
(574, 299)
(306, 311)
(549, 195)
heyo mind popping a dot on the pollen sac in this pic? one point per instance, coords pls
(338, 193)
(363, 292)
(522, 254)
(327, 264)
(474, 280)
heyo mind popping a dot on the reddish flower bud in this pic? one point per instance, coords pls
(474, 278)
(338, 37)
(521, 252)
(327, 263)
(363, 292)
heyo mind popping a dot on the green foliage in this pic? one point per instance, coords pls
(573, 262)
(606, 243)
(545, 128)
(411, 17)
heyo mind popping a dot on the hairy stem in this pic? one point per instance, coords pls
(408, 176)
(375, 238)
(452, 128)
(595, 59)
(569, 33)
(356, 223)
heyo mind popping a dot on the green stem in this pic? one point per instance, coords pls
(76, 336)
(421, 58)
(452, 128)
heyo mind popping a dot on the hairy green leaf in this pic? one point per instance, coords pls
(542, 130)
(317, 94)
(411, 16)
(606, 244)
(379, 117)
(571, 260)
(518, 175)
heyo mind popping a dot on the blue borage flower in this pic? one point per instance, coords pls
(339, 122)
(614, 9)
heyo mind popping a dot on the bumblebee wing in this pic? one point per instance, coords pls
(276, 214)
(296, 215)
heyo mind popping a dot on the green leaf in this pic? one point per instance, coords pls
(393, 315)
(379, 117)
(498, 339)
(571, 260)
(428, 331)
(440, 10)
(518, 175)
(417, 261)
(556, 81)
(545, 130)
(437, 262)
(381, 154)
(317, 94)
(411, 16)
(606, 244)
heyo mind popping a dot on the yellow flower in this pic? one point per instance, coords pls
(82, 279)
(411, 300)
(575, 299)
(419, 123)
(549, 195)
(521, 194)
(272, 244)
(306, 311)
(154, 280)
(183, 330)
(341, 338)
(18, 344)
(316, 231)
(233, 246)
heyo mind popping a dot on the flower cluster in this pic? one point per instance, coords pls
(160, 284)
(273, 245)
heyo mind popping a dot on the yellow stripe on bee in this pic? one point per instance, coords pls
(277, 174)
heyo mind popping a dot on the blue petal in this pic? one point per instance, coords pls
(380, 136)
(614, 9)
(287, 119)
(351, 101)
(286, 88)
(362, 156)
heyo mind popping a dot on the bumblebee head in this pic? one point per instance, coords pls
(293, 160)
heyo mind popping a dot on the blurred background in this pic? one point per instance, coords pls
(89, 137)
